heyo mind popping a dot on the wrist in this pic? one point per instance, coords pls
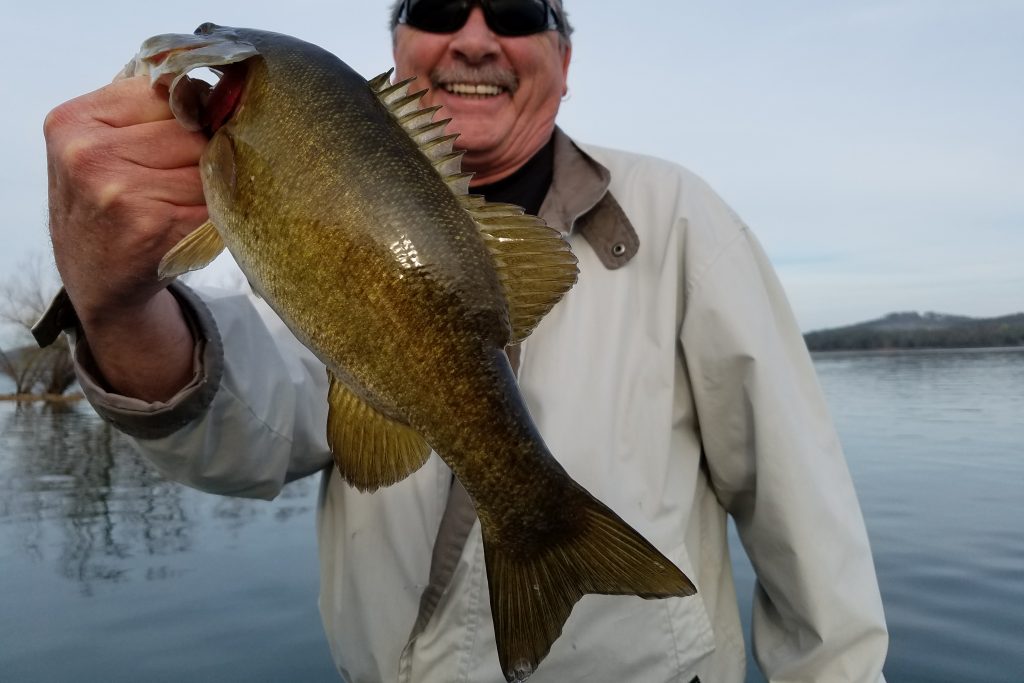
(143, 351)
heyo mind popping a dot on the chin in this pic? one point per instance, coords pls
(475, 140)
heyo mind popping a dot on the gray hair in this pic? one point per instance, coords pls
(564, 31)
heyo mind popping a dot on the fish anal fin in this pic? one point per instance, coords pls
(370, 449)
(197, 250)
(532, 592)
(534, 261)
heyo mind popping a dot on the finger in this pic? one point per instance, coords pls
(91, 175)
(127, 102)
(191, 217)
(178, 186)
(99, 155)
(132, 101)
(157, 145)
(131, 197)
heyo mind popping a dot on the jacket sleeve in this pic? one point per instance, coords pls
(254, 415)
(776, 464)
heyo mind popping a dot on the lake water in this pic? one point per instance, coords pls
(110, 573)
(935, 443)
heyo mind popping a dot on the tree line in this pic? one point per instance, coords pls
(34, 371)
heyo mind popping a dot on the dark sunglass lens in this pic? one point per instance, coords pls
(437, 16)
(517, 17)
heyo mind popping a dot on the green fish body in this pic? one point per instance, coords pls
(344, 204)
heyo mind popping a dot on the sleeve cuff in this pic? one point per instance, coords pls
(145, 420)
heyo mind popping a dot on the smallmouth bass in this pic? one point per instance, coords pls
(345, 205)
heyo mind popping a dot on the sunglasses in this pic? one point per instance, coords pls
(504, 17)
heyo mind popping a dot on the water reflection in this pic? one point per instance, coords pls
(69, 474)
(73, 488)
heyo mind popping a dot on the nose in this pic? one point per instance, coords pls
(475, 42)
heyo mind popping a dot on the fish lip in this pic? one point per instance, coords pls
(169, 57)
(172, 55)
(156, 49)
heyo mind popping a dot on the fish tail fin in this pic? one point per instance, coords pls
(533, 592)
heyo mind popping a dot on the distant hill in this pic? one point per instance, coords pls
(921, 331)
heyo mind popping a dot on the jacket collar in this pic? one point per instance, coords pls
(579, 202)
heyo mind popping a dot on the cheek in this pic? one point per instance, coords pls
(417, 57)
(544, 88)
(540, 70)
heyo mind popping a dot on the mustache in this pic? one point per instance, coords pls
(488, 74)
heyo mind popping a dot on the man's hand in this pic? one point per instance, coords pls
(124, 188)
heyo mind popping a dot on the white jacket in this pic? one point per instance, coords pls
(672, 382)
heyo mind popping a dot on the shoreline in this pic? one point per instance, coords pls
(920, 349)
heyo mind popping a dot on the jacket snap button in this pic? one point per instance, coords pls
(618, 249)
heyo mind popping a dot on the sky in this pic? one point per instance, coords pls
(875, 148)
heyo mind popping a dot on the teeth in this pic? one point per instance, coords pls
(472, 89)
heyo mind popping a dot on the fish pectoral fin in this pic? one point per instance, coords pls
(370, 449)
(197, 250)
(532, 592)
(535, 263)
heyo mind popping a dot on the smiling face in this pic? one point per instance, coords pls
(501, 92)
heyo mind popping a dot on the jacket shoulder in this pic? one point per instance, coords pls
(655, 191)
(632, 165)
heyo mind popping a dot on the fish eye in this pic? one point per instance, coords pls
(206, 28)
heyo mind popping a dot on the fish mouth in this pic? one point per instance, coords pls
(169, 58)
(224, 98)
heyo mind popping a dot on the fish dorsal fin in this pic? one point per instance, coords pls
(533, 260)
(427, 133)
(379, 81)
(197, 250)
(370, 449)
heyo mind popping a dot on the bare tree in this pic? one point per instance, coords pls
(24, 297)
